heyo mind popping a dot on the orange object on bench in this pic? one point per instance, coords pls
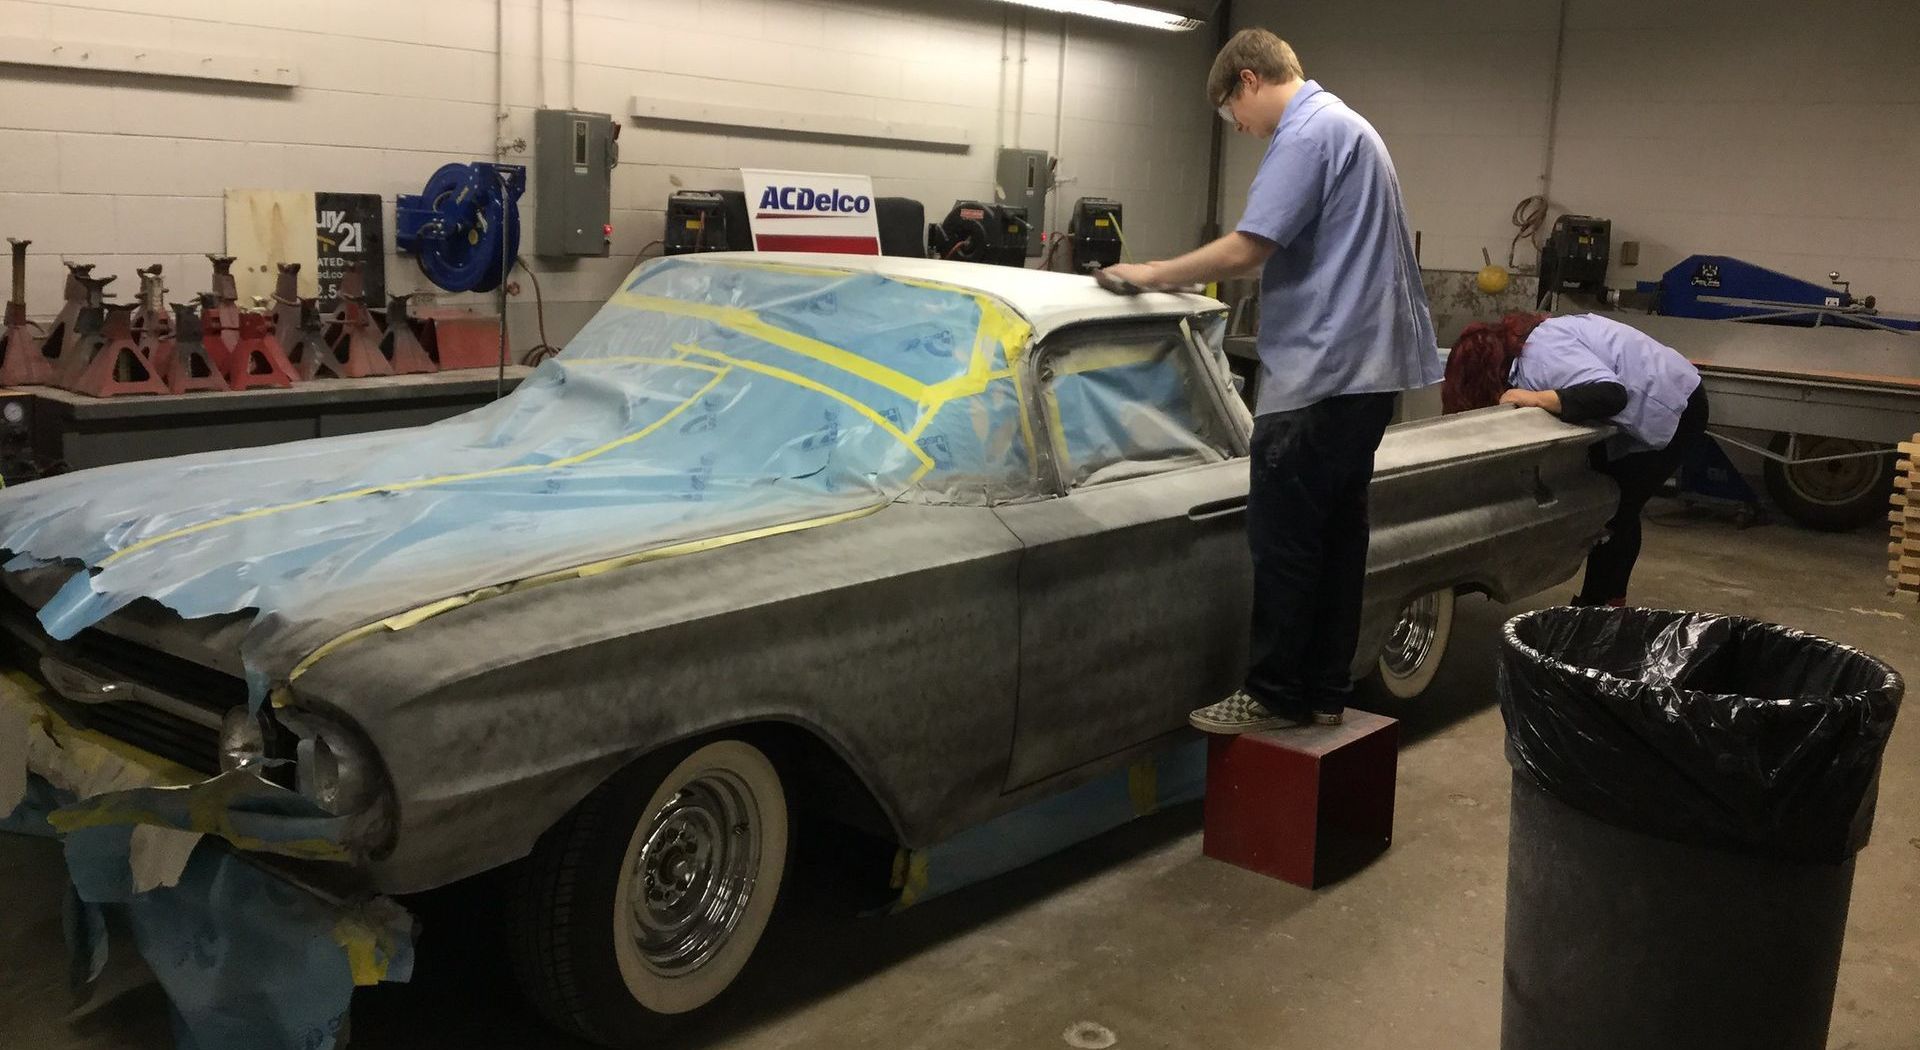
(1307, 806)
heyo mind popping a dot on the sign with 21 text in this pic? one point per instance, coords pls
(797, 211)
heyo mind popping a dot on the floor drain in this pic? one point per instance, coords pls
(1089, 1036)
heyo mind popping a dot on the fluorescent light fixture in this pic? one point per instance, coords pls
(1132, 14)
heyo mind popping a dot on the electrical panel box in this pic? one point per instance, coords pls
(1024, 176)
(574, 154)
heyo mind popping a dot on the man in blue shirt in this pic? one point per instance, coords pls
(1344, 327)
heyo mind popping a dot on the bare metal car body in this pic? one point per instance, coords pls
(936, 665)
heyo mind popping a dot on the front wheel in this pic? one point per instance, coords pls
(1416, 645)
(643, 904)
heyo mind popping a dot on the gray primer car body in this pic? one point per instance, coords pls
(957, 661)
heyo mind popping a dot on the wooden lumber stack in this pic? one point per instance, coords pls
(1903, 554)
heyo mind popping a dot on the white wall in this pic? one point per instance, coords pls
(1782, 132)
(126, 170)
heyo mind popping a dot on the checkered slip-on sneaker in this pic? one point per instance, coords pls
(1241, 713)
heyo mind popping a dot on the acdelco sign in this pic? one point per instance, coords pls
(804, 211)
(806, 199)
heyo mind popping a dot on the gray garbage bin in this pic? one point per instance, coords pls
(1689, 792)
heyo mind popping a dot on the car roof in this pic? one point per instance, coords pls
(1046, 299)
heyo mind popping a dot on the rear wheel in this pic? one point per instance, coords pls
(1833, 494)
(1416, 645)
(645, 902)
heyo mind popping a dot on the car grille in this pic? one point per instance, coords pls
(153, 730)
(185, 731)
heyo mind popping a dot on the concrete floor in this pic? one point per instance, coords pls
(1140, 935)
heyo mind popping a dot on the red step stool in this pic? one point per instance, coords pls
(1308, 806)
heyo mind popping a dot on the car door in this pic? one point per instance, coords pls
(1134, 579)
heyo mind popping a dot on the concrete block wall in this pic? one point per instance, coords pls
(125, 170)
(1782, 132)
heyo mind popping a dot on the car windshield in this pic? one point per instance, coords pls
(819, 379)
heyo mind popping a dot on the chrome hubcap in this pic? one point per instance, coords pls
(1411, 640)
(694, 873)
(1834, 481)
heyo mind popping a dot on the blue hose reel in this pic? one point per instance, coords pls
(464, 228)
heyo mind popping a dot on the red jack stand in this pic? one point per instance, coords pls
(153, 324)
(296, 327)
(21, 362)
(189, 366)
(352, 333)
(117, 365)
(86, 296)
(1308, 806)
(220, 316)
(258, 359)
(400, 345)
(151, 317)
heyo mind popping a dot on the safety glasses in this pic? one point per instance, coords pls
(1225, 108)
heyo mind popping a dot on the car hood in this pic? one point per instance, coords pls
(702, 406)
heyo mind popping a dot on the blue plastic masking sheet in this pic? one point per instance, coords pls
(707, 399)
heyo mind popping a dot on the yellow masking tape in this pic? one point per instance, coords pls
(574, 362)
(364, 959)
(411, 618)
(1143, 786)
(208, 812)
(817, 387)
(422, 483)
(84, 746)
(746, 322)
(1099, 360)
(909, 877)
(1056, 428)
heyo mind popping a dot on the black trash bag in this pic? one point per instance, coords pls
(1709, 730)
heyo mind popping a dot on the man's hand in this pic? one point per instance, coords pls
(1230, 256)
(1145, 275)
(1546, 399)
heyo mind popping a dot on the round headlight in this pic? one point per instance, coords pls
(336, 770)
(243, 740)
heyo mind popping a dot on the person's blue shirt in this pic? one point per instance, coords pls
(1342, 310)
(1587, 348)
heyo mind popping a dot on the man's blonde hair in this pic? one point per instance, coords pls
(1269, 57)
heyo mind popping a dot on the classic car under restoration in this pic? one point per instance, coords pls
(905, 542)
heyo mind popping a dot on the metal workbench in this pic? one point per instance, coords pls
(81, 431)
(1863, 385)
(1837, 400)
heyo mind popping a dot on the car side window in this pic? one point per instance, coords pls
(1125, 400)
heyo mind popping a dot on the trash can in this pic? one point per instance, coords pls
(1689, 791)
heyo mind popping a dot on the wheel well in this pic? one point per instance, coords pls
(820, 781)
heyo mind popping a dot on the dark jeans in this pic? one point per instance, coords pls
(1307, 526)
(1640, 475)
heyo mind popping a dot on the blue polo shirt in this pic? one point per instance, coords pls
(1342, 310)
(1587, 348)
